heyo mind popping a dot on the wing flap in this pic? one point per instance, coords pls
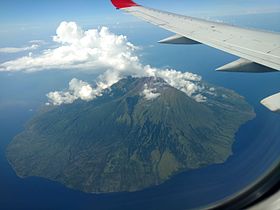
(243, 65)
(272, 102)
(178, 39)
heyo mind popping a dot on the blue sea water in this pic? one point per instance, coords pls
(255, 150)
(257, 147)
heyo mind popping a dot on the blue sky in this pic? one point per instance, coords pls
(40, 18)
(49, 11)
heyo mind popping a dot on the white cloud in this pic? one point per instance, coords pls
(88, 50)
(187, 82)
(150, 93)
(59, 97)
(18, 49)
(77, 90)
(95, 50)
(200, 98)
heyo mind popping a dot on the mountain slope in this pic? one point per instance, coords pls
(124, 141)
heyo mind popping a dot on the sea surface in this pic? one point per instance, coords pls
(256, 147)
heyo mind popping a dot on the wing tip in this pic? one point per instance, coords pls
(120, 4)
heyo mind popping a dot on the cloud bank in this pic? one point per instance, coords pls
(98, 50)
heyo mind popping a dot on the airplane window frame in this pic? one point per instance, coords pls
(261, 189)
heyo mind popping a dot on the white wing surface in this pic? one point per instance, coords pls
(259, 51)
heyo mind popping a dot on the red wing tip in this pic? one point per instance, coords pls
(119, 4)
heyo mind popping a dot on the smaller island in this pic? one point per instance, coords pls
(138, 134)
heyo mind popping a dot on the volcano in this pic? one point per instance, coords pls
(138, 134)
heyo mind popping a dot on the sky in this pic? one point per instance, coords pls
(77, 40)
(20, 19)
(18, 14)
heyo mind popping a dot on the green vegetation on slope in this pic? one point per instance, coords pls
(123, 142)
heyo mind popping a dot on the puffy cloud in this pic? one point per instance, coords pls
(69, 33)
(18, 49)
(89, 50)
(95, 50)
(200, 98)
(187, 82)
(59, 97)
(77, 90)
(150, 93)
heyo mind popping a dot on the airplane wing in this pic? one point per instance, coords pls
(259, 51)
